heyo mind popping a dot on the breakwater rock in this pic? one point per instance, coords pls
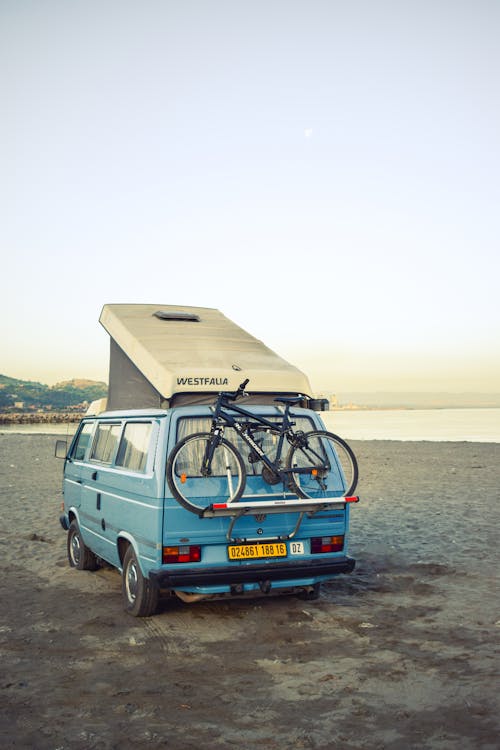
(40, 418)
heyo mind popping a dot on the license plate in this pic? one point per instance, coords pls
(256, 551)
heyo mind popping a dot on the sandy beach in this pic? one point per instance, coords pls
(403, 653)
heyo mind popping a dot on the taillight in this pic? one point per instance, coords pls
(184, 554)
(322, 544)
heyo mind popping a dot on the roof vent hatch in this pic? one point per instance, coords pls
(173, 315)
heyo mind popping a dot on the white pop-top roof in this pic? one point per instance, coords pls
(197, 349)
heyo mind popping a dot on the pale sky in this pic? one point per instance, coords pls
(324, 173)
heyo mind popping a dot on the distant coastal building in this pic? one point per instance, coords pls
(331, 397)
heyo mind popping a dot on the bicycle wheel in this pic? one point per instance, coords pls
(332, 463)
(195, 489)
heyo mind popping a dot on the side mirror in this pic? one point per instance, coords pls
(61, 449)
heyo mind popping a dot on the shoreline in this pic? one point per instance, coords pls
(55, 432)
(10, 431)
(411, 408)
(54, 417)
(470, 425)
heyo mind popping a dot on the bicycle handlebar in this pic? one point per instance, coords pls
(233, 395)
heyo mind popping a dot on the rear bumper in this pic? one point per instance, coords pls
(220, 576)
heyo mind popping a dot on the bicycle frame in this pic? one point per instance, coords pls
(222, 419)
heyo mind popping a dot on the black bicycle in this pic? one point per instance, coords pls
(318, 463)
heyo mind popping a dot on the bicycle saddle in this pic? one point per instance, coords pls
(289, 399)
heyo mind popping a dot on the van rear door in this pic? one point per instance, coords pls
(267, 525)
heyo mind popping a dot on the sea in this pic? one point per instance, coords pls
(473, 425)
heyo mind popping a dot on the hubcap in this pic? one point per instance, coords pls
(131, 581)
(75, 549)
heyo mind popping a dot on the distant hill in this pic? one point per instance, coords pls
(27, 395)
(419, 400)
(78, 383)
(72, 395)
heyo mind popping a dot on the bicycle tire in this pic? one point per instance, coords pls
(193, 490)
(322, 448)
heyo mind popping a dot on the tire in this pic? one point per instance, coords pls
(140, 595)
(79, 555)
(185, 479)
(323, 451)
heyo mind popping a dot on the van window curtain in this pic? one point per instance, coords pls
(134, 445)
(105, 443)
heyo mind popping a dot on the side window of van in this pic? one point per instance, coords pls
(133, 450)
(106, 439)
(82, 441)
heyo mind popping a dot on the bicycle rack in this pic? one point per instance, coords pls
(257, 508)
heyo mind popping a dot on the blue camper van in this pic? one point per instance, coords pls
(232, 493)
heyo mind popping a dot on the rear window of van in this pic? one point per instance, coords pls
(267, 440)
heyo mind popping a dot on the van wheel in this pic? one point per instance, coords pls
(79, 555)
(140, 595)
